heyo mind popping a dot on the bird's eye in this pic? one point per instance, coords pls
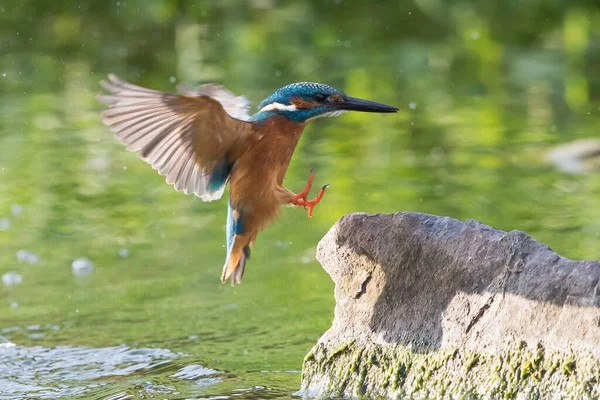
(320, 97)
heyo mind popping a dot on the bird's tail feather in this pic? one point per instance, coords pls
(238, 272)
(235, 264)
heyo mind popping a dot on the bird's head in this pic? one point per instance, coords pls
(304, 101)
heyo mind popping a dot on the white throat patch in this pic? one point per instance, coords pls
(292, 107)
(279, 107)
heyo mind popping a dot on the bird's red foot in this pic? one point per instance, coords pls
(302, 195)
(300, 198)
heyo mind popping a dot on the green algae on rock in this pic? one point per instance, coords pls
(398, 372)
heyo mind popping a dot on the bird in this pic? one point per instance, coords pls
(204, 137)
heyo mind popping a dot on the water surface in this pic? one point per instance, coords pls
(484, 92)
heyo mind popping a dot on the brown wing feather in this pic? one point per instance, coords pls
(183, 137)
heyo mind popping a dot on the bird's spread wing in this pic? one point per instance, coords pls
(187, 137)
(236, 106)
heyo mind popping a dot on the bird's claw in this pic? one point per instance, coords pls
(300, 198)
(302, 195)
(309, 205)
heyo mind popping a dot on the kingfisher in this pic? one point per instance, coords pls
(203, 138)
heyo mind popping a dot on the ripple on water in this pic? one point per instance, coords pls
(193, 371)
(67, 371)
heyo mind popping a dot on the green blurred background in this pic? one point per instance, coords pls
(485, 90)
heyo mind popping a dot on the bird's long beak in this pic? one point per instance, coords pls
(354, 104)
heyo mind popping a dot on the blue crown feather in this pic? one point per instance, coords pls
(305, 90)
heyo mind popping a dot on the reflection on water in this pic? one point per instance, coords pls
(94, 242)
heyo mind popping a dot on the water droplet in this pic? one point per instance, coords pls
(172, 79)
(282, 245)
(412, 105)
(16, 210)
(4, 74)
(27, 257)
(4, 224)
(14, 304)
(82, 267)
(305, 259)
(11, 279)
(124, 253)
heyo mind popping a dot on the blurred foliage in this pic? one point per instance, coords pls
(485, 89)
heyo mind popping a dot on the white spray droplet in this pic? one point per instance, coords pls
(4, 224)
(82, 267)
(11, 279)
(16, 210)
(27, 257)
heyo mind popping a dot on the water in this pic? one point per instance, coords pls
(484, 94)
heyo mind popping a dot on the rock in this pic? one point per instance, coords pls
(432, 307)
